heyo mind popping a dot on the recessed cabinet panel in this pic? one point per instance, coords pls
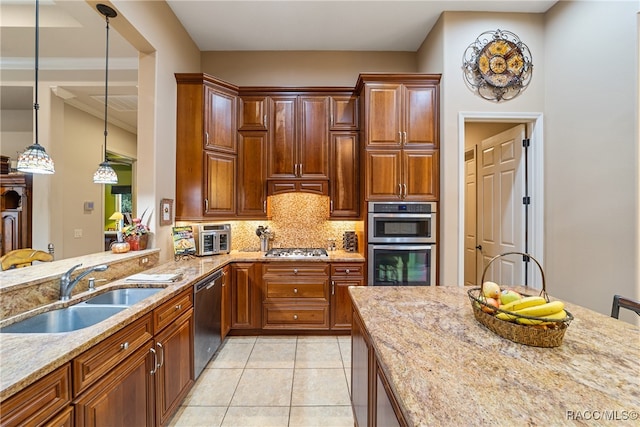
(344, 113)
(282, 150)
(344, 175)
(420, 116)
(384, 114)
(420, 174)
(383, 173)
(313, 147)
(252, 174)
(220, 197)
(220, 121)
(253, 113)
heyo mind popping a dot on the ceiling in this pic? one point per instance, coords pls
(72, 39)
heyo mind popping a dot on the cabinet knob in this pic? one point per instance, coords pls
(124, 346)
(295, 317)
(295, 290)
(347, 271)
(178, 307)
(295, 271)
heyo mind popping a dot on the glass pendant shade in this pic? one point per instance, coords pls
(35, 160)
(105, 174)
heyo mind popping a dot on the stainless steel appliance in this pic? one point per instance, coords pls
(402, 248)
(406, 222)
(207, 319)
(297, 252)
(212, 239)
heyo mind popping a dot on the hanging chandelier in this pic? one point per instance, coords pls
(35, 159)
(105, 173)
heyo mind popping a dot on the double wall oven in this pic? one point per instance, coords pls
(401, 240)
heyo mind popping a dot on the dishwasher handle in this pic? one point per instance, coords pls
(209, 281)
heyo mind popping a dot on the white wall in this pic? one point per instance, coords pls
(592, 151)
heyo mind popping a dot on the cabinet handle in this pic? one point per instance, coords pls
(404, 187)
(206, 205)
(295, 317)
(295, 271)
(331, 206)
(264, 120)
(333, 287)
(178, 307)
(264, 206)
(404, 134)
(400, 191)
(295, 290)
(124, 346)
(400, 137)
(206, 134)
(162, 355)
(155, 361)
(300, 169)
(331, 121)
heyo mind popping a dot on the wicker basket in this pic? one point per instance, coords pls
(548, 336)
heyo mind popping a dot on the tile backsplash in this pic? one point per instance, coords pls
(297, 220)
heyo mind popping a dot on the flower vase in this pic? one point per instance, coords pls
(138, 242)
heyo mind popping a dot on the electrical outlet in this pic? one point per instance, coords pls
(144, 261)
(77, 233)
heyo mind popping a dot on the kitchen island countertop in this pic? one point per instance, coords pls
(445, 368)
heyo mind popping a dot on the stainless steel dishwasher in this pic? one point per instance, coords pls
(207, 313)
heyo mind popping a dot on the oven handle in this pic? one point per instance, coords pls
(400, 215)
(410, 247)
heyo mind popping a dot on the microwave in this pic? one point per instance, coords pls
(212, 239)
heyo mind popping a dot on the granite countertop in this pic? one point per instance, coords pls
(445, 368)
(25, 358)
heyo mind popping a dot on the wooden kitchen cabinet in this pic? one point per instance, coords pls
(344, 182)
(299, 129)
(344, 112)
(296, 295)
(225, 312)
(252, 174)
(253, 113)
(410, 175)
(343, 276)
(219, 119)
(245, 296)
(41, 403)
(206, 129)
(220, 184)
(400, 110)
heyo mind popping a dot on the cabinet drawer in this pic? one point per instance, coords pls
(350, 270)
(63, 419)
(284, 316)
(94, 363)
(296, 270)
(277, 289)
(171, 310)
(40, 401)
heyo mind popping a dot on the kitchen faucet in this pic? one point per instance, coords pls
(67, 285)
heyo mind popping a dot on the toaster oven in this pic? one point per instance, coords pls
(212, 239)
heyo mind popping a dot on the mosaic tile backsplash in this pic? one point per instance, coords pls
(298, 220)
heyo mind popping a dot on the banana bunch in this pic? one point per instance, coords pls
(535, 306)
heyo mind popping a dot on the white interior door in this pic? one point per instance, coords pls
(500, 209)
(471, 277)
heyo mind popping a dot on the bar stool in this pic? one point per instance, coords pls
(620, 301)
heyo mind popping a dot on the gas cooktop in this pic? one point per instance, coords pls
(297, 252)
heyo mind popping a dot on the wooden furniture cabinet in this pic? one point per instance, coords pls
(320, 188)
(410, 175)
(42, 403)
(371, 398)
(344, 182)
(252, 174)
(344, 112)
(206, 129)
(299, 146)
(253, 113)
(343, 276)
(225, 312)
(245, 296)
(296, 295)
(17, 212)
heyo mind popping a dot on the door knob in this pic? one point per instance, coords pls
(479, 247)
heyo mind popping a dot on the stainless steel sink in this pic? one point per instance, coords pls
(65, 319)
(126, 297)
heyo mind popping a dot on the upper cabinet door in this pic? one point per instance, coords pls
(420, 116)
(254, 113)
(220, 121)
(313, 147)
(282, 149)
(344, 113)
(383, 115)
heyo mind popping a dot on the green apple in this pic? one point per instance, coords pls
(508, 296)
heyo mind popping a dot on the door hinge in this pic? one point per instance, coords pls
(526, 258)
(526, 142)
(526, 200)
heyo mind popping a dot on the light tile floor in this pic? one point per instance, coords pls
(272, 381)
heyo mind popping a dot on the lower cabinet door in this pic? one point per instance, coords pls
(123, 397)
(174, 377)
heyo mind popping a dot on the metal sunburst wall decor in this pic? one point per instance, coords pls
(497, 65)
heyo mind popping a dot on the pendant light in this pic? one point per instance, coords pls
(105, 173)
(34, 159)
